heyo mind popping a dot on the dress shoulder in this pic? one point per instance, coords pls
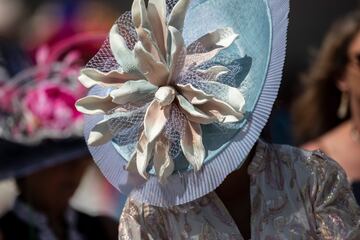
(336, 213)
(309, 166)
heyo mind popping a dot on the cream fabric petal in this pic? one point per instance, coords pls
(139, 15)
(177, 16)
(132, 91)
(196, 96)
(132, 165)
(100, 134)
(213, 73)
(154, 71)
(177, 54)
(155, 120)
(123, 55)
(192, 145)
(144, 30)
(163, 164)
(212, 106)
(220, 38)
(149, 36)
(157, 18)
(165, 95)
(149, 44)
(209, 45)
(193, 95)
(233, 95)
(95, 105)
(90, 77)
(221, 110)
(144, 152)
(192, 113)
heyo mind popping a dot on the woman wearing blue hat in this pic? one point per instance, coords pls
(42, 148)
(178, 97)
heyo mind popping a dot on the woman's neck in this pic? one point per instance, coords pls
(355, 113)
(234, 192)
(235, 184)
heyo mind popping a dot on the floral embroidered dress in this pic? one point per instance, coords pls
(294, 195)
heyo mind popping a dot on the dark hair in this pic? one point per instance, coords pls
(315, 111)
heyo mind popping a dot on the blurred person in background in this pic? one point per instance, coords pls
(327, 115)
(37, 23)
(42, 148)
(52, 20)
(12, 58)
(30, 24)
(12, 13)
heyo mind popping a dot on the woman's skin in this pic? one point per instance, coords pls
(339, 143)
(234, 192)
(49, 191)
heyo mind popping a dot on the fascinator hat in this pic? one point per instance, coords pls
(180, 92)
(39, 124)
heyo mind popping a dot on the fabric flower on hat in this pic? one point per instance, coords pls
(50, 106)
(155, 72)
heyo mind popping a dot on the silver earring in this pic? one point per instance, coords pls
(344, 106)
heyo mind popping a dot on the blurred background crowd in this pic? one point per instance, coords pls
(318, 105)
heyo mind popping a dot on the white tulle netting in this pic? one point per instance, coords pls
(126, 121)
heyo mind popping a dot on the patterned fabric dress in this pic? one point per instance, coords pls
(294, 195)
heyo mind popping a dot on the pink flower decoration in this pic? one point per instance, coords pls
(51, 106)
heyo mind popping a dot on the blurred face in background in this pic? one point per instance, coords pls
(11, 12)
(351, 80)
(46, 21)
(50, 190)
(53, 20)
(95, 15)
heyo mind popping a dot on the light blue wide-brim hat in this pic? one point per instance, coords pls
(252, 64)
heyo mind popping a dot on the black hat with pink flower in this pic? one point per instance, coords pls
(39, 124)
